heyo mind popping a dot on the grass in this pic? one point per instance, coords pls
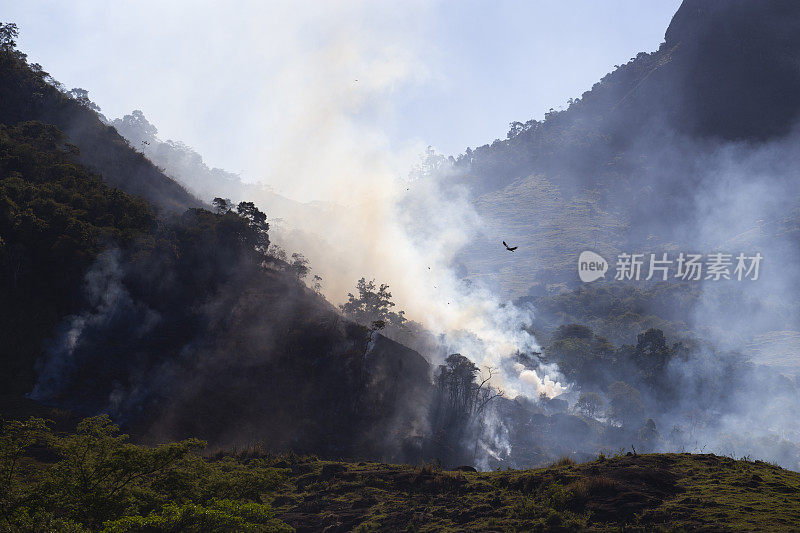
(95, 479)
(631, 492)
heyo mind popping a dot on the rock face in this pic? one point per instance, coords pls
(727, 70)
(738, 65)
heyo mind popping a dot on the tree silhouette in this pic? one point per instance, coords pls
(372, 304)
(8, 35)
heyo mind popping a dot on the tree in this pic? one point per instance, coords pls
(299, 265)
(8, 35)
(317, 283)
(648, 433)
(372, 304)
(459, 403)
(651, 355)
(82, 97)
(461, 396)
(222, 205)
(252, 214)
(589, 404)
(257, 221)
(625, 404)
(16, 437)
(136, 126)
(100, 470)
(430, 163)
(580, 354)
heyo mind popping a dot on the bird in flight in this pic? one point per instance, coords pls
(145, 142)
(509, 248)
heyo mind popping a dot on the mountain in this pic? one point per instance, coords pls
(178, 322)
(692, 148)
(726, 70)
(689, 147)
(187, 322)
(126, 299)
(26, 95)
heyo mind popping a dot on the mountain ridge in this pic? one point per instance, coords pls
(101, 147)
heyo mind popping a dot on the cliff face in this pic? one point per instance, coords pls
(727, 70)
(737, 65)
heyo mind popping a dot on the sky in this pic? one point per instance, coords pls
(247, 82)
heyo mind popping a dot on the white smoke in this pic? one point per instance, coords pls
(110, 305)
(320, 136)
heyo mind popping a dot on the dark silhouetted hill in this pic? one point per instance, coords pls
(26, 96)
(177, 323)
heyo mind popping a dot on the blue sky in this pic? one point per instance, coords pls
(244, 82)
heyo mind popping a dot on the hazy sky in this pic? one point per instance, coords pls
(244, 82)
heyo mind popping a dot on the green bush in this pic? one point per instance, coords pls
(95, 479)
(218, 516)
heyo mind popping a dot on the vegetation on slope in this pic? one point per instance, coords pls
(168, 323)
(28, 93)
(94, 480)
(55, 217)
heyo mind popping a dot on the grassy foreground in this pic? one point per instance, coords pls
(635, 492)
(94, 479)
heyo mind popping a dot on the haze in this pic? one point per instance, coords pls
(244, 82)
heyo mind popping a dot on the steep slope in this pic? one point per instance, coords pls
(631, 163)
(26, 96)
(55, 217)
(180, 324)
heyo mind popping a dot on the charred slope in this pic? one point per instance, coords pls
(26, 96)
(178, 325)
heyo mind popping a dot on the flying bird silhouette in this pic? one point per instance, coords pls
(145, 142)
(510, 249)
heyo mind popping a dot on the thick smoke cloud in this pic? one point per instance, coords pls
(668, 190)
(370, 218)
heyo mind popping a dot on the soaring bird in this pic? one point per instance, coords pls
(145, 142)
(509, 248)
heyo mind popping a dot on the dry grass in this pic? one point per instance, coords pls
(564, 461)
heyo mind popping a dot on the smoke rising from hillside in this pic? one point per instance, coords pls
(369, 218)
(677, 192)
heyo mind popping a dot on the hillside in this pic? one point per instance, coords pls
(94, 480)
(726, 70)
(178, 322)
(688, 147)
(27, 93)
(127, 300)
(630, 492)
(628, 164)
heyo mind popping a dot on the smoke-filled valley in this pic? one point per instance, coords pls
(385, 320)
